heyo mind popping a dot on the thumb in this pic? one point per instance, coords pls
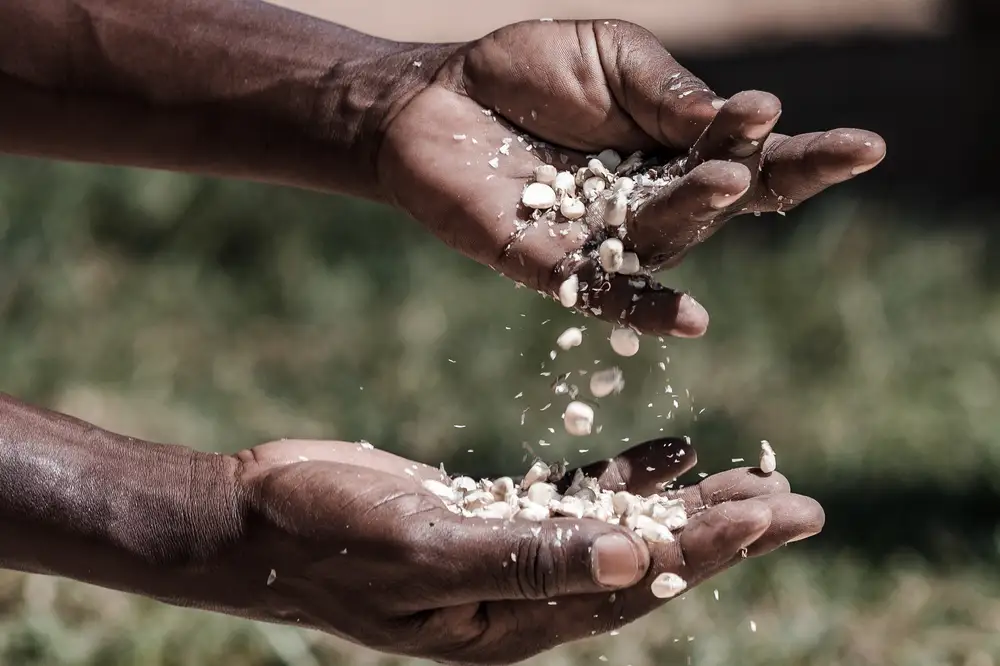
(491, 560)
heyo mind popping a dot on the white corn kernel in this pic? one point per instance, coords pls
(542, 493)
(652, 531)
(624, 185)
(625, 503)
(615, 210)
(478, 500)
(538, 473)
(642, 520)
(630, 521)
(532, 512)
(657, 512)
(565, 183)
(675, 518)
(569, 290)
(538, 196)
(630, 264)
(593, 186)
(579, 418)
(768, 461)
(605, 382)
(572, 208)
(611, 255)
(596, 167)
(546, 174)
(624, 342)
(571, 506)
(503, 488)
(668, 586)
(571, 337)
(464, 485)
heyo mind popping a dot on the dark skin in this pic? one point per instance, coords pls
(358, 547)
(242, 89)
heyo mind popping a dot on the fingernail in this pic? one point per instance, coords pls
(692, 319)
(615, 561)
(720, 201)
(801, 537)
(718, 103)
(760, 130)
(858, 170)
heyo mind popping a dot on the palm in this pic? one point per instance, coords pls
(573, 88)
(387, 564)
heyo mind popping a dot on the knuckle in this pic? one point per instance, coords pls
(541, 569)
(625, 29)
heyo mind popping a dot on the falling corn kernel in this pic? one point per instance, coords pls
(579, 418)
(571, 337)
(605, 382)
(569, 291)
(625, 342)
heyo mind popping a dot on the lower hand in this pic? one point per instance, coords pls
(578, 87)
(361, 550)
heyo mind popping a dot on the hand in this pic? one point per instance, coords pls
(581, 87)
(361, 550)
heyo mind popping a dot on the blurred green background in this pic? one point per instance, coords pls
(859, 335)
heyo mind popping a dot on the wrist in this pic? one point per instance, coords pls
(113, 511)
(363, 97)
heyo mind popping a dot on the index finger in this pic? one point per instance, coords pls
(642, 468)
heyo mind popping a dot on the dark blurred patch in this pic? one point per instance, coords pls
(932, 99)
(880, 518)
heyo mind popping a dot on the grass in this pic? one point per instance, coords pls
(862, 340)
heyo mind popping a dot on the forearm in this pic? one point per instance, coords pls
(83, 503)
(232, 88)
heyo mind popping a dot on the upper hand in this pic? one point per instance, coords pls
(360, 549)
(578, 87)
